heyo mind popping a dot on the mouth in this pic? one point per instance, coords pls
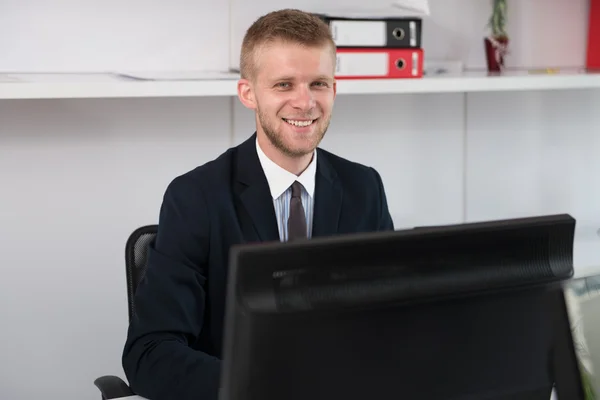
(300, 123)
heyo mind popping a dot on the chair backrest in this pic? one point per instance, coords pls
(136, 251)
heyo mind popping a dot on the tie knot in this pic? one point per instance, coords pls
(296, 189)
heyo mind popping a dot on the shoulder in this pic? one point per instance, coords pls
(208, 174)
(204, 178)
(351, 172)
(363, 190)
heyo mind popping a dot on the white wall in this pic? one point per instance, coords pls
(77, 176)
(102, 35)
(537, 153)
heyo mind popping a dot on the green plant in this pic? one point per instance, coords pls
(586, 376)
(497, 21)
(586, 381)
(573, 297)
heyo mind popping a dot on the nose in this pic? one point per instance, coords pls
(303, 98)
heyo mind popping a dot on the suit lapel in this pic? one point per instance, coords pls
(328, 199)
(254, 204)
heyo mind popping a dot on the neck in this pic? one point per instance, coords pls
(295, 165)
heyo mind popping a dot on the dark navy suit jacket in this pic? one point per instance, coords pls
(173, 344)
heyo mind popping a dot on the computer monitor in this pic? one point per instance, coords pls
(468, 311)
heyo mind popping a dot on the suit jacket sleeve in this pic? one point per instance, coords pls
(385, 219)
(157, 358)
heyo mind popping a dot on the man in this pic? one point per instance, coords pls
(276, 186)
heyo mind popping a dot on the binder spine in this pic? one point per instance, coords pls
(384, 33)
(360, 63)
(593, 42)
(403, 34)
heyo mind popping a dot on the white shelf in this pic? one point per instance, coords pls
(474, 82)
(64, 86)
(69, 86)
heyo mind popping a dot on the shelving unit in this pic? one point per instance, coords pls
(64, 86)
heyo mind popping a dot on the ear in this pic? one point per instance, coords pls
(246, 93)
(334, 88)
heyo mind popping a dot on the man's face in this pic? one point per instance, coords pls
(293, 91)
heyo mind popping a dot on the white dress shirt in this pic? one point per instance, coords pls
(280, 182)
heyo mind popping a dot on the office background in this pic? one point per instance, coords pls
(79, 175)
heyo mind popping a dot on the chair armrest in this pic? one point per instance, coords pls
(112, 387)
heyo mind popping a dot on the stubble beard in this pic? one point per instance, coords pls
(278, 141)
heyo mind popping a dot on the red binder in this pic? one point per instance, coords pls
(593, 44)
(371, 63)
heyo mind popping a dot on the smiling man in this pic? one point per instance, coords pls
(276, 186)
(288, 79)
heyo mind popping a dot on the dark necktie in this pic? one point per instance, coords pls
(297, 219)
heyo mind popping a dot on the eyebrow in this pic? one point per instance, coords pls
(291, 78)
(325, 78)
(282, 78)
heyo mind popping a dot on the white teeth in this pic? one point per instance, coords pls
(299, 123)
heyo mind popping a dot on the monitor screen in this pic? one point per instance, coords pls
(468, 311)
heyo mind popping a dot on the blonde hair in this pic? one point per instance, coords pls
(287, 25)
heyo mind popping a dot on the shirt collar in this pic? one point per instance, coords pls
(280, 179)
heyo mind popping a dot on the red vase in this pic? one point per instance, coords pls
(495, 50)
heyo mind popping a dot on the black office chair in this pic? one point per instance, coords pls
(112, 387)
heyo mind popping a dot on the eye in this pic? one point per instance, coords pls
(320, 84)
(283, 85)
